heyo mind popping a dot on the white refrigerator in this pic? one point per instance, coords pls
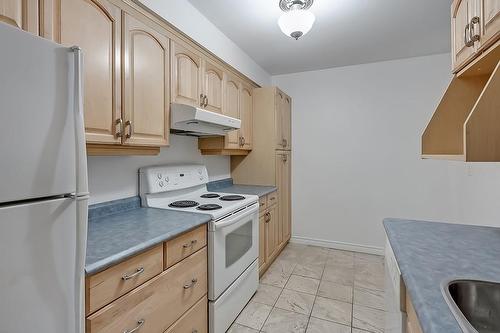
(43, 186)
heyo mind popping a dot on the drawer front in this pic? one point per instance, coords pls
(195, 320)
(158, 303)
(185, 245)
(272, 198)
(263, 203)
(106, 286)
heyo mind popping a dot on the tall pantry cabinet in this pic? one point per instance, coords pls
(270, 164)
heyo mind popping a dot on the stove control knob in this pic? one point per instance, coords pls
(158, 175)
(160, 183)
(201, 177)
(200, 171)
(167, 179)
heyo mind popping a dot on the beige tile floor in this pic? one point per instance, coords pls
(317, 290)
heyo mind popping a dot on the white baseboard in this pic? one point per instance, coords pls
(338, 245)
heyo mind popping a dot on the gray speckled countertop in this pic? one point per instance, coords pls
(429, 252)
(120, 229)
(227, 186)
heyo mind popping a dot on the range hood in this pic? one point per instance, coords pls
(193, 121)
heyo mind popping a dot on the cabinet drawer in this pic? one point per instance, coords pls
(262, 203)
(106, 286)
(272, 198)
(195, 320)
(184, 245)
(158, 303)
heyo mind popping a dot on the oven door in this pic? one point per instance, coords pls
(232, 247)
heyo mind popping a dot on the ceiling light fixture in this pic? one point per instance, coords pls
(296, 21)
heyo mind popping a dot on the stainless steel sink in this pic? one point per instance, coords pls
(475, 304)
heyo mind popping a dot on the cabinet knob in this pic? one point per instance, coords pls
(190, 285)
(467, 41)
(473, 36)
(202, 100)
(140, 323)
(205, 99)
(129, 124)
(119, 132)
(138, 271)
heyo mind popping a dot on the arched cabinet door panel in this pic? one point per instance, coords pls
(186, 75)
(20, 13)
(213, 87)
(146, 76)
(232, 108)
(95, 26)
(246, 116)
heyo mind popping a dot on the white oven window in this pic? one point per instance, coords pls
(238, 243)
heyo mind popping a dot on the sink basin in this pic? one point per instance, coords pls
(475, 304)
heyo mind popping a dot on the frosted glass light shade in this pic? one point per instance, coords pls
(296, 23)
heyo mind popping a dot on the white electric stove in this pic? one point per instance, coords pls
(233, 233)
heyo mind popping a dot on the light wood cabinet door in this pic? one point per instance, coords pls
(283, 180)
(278, 118)
(232, 108)
(146, 81)
(246, 116)
(195, 320)
(20, 13)
(272, 229)
(95, 26)
(213, 82)
(158, 303)
(490, 22)
(287, 122)
(461, 16)
(262, 240)
(186, 78)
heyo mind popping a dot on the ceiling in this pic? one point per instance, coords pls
(346, 32)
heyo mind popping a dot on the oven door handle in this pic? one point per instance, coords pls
(235, 218)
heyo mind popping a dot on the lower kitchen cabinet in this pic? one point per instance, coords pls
(138, 295)
(272, 233)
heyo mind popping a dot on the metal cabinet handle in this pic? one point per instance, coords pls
(194, 331)
(190, 244)
(474, 37)
(240, 139)
(129, 124)
(138, 271)
(285, 142)
(284, 158)
(206, 101)
(119, 123)
(467, 41)
(243, 141)
(190, 285)
(140, 323)
(268, 217)
(202, 100)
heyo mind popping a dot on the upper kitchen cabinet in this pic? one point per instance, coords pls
(284, 121)
(490, 23)
(463, 48)
(232, 108)
(95, 26)
(246, 116)
(237, 103)
(213, 79)
(146, 74)
(20, 13)
(186, 75)
(475, 27)
(465, 125)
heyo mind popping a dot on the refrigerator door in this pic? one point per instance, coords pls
(41, 271)
(37, 118)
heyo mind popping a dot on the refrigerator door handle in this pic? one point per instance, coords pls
(81, 149)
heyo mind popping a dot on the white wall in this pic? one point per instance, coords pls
(115, 177)
(189, 20)
(356, 156)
